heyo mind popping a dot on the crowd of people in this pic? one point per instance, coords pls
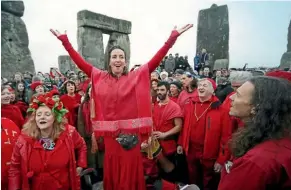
(157, 126)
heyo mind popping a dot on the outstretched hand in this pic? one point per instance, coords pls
(183, 29)
(57, 33)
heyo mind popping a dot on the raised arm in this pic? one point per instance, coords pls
(158, 57)
(75, 56)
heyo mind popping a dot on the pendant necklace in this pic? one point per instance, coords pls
(195, 111)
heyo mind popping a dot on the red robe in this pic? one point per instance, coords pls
(204, 141)
(122, 105)
(163, 117)
(13, 113)
(265, 166)
(184, 96)
(33, 168)
(72, 103)
(9, 135)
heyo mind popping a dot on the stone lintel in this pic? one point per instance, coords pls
(104, 23)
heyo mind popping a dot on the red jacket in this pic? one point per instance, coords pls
(266, 166)
(217, 133)
(20, 174)
(9, 135)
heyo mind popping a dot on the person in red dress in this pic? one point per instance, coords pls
(204, 136)
(167, 117)
(122, 115)
(189, 89)
(9, 135)
(71, 101)
(8, 110)
(49, 154)
(175, 90)
(262, 148)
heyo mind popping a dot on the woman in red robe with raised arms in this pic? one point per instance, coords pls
(122, 111)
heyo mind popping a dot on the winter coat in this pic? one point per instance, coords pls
(20, 174)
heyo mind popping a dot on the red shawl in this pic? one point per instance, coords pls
(123, 104)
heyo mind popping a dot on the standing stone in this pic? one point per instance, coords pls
(213, 32)
(286, 57)
(91, 26)
(118, 39)
(90, 46)
(220, 64)
(289, 38)
(65, 63)
(15, 54)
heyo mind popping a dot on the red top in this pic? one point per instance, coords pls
(9, 135)
(163, 117)
(120, 103)
(265, 166)
(174, 99)
(13, 113)
(184, 96)
(71, 103)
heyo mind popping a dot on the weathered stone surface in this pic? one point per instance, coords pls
(90, 46)
(213, 31)
(286, 60)
(118, 39)
(65, 63)
(102, 22)
(15, 54)
(289, 38)
(14, 7)
(221, 64)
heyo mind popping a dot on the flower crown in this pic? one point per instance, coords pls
(47, 100)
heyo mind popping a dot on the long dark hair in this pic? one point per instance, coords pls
(125, 71)
(87, 96)
(271, 115)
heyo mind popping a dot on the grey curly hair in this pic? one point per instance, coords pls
(239, 77)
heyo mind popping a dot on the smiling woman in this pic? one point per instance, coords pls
(44, 135)
(121, 110)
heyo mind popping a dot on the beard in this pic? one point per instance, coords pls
(162, 96)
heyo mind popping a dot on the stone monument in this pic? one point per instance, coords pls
(15, 54)
(286, 57)
(91, 26)
(66, 63)
(213, 32)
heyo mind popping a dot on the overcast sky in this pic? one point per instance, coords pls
(258, 30)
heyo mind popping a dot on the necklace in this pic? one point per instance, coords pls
(197, 118)
(47, 143)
